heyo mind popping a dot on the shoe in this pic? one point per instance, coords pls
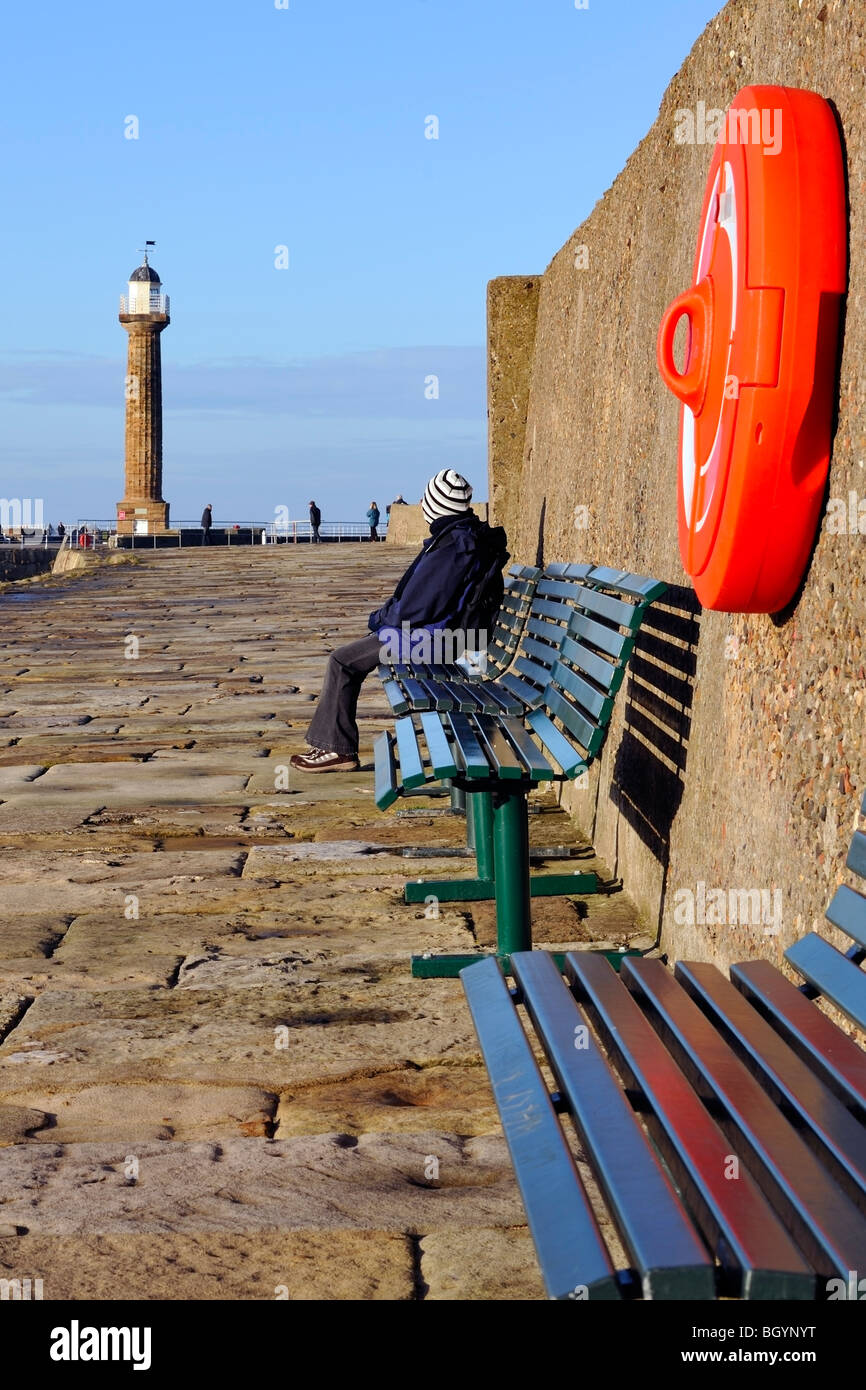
(321, 760)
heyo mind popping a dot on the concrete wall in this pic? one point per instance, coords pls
(512, 314)
(737, 757)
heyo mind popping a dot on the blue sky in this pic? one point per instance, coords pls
(304, 127)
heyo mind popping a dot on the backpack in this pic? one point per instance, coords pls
(483, 598)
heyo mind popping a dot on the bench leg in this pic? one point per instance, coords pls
(479, 820)
(511, 872)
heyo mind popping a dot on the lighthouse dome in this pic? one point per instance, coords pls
(145, 272)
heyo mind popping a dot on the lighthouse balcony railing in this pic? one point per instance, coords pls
(158, 304)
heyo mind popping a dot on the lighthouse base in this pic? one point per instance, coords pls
(141, 517)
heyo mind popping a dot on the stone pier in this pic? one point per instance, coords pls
(217, 1077)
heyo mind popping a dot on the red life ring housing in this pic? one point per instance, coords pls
(760, 370)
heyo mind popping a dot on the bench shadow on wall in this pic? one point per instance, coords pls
(649, 769)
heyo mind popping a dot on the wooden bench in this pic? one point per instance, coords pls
(724, 1121)
(560, 688)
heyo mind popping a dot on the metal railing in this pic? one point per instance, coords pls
(159, 304)
(96, 533)
(31, 536)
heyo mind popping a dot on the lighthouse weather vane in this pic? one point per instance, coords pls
(148, 246)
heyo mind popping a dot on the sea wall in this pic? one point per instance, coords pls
(21, 562)
(736, 759)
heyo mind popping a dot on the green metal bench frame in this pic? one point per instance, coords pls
(573, 656)
(746, 1071)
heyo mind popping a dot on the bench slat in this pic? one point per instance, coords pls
(441, 756)
(535, 671)
(416, 692)
(538, 766)
(500, 753)
(539, 627)
(847, 911)
(589, 735)
(556, 743)
(469, 750)
(561, 588)
(386, 771)
(475, 691)
(597, 704)
(636, 584)
(576, 569)
(753, 1247)
(827, 970)
(395, 697)
(551, 608)
(531, 695)
(856, 860)
(608, 639)
(826, 1225)
(835, 1057)
(615, 610)
(411, 765)
(543, 652)
(458, 691)
(571, 1251)
(837, 1137)
(501, 696)
(439, 696)
(606, 673)
(660, 1239)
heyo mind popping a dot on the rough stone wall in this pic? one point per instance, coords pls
(737, 757)
(21, 564)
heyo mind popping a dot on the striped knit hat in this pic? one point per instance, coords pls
(447, 494)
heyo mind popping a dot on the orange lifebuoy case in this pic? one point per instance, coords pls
(758, 385)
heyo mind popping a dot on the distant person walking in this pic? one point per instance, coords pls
(373, 521)
(315, 523)
(206, 524)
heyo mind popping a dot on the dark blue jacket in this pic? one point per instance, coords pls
(434, 590)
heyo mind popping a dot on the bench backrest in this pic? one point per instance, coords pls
(826, 970)
(520, 583)
(594, 655)
(579, 636)
(550, 613)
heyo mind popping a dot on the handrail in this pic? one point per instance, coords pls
(104, 532)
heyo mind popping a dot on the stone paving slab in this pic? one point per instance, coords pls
(331, 1181)
(328, 1265)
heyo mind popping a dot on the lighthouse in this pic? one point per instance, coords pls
(144, 313)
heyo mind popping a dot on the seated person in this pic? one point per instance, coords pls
(457, 576)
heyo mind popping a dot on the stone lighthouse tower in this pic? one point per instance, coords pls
(144, 314)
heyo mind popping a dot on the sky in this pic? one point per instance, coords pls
(241, 135)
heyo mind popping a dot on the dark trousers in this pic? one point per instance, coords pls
(374, 534)
(315, 538)
(205, 535)
(333, 726)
